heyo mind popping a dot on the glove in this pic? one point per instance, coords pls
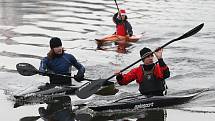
(78, 78)
(119, 77)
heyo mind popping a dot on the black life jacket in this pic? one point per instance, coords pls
(150, 85)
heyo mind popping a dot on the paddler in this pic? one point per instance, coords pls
(122, 33)
(123, 27)
(60, 62)
(150, 76)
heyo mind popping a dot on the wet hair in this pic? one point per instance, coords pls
(51, 54)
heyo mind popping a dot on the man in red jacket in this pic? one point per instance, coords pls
(150, 76)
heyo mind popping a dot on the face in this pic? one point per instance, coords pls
(58, 50)
(148, 59)
(123, 17)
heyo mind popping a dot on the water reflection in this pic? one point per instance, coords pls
(60, 109)
(154, 115)
(57, 111)
(143, 115)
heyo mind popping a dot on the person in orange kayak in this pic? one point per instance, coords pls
(123, 27)
(150, 76)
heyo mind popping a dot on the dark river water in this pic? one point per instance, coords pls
(26, 27)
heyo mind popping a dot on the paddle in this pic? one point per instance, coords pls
(90, 88)
(117, 7)
(30, 118)
(27, 69)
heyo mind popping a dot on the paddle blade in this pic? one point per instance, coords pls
(187, 34)
(107, 90)
(89, 88)
(26, 69)
(30, 118)
(191, 32)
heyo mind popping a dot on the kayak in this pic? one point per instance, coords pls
(48, 94)
(43, 96)
(48, 90)
(116, 38)
(141, 102)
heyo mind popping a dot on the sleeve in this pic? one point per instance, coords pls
(127, 78)
(43, 65)
(115, 19)
(129, 28)
(78, 66)
(164, 69)
(161, 62)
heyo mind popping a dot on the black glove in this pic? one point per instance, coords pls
(119, 77)
(78, 78)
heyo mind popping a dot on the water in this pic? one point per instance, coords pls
(27, 25)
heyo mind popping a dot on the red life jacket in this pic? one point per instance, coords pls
(120, 30)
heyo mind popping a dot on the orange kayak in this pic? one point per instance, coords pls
(115, 38)
(121, 41)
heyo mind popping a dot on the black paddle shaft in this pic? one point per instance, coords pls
(116, 5)
(118, 9)
(90, 88)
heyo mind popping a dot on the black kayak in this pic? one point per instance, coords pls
(48, 90)
(141, 102)
(46, 95)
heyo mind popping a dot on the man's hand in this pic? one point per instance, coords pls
(158, 53)
(78, 78)
(118, 75)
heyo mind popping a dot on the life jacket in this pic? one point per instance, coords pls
(121, 30)
(150, 85)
